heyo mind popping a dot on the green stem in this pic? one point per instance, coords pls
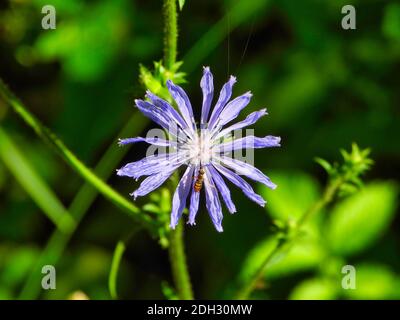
(327, 197)
(48, 136)
(178, 264)
(80, 205)
(170, 33)
(176, 246)
(15, 160)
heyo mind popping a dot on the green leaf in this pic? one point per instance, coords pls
(16, 264)
(296, 192)
(181, 4)
(391, 21)
(362, 218)
(306, 254)
(168, 291)
(324, 164)
(315, 289)
(374, 281)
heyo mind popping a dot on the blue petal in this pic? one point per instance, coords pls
(224, 96)
(150, 111)
(165, 107)
(194, 201)
(180, 196)
(152, 182)
(247, 170)
(159, 117)
(250, 119)
(183, 102)
(232, 109)
(212, 201)
(151, 140)
(207, 86)
(152, 165)
(223, 189)
(248, 142)
(241, 183)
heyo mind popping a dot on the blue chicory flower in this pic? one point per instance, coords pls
(203, 151)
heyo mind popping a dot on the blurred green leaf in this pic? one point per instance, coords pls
(33, 184)
(306, 254)
(86, 42)
(374, 281)
(361, 219)
(391, 21)
(296, 192)
(16, 264)
(315, 289)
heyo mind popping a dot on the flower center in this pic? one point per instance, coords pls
(200, 151)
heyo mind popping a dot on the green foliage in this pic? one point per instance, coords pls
(323, 87)
(15, 264)
(181, 4)
(296, 192)
(361, 219)
(116, 261)
(355, 164)
(87, 42)
(33, 184)
(391, 21)
(315, 289)
(305, 255)
(155, 81)
(168, 291)
(374, 281)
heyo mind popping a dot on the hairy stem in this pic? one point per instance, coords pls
(170, 33)
(178, 264)
(328, 195)
(176, 246)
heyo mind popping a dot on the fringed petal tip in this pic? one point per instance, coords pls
(206, 69)
(173, 225)
(138, 102)
(191, 222)
(273, 141)
(218, 227)
(272, 185)
(133, 195)
(232, 80)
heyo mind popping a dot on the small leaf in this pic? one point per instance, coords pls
(181, 4)
(168, 291)
(359, 220)
(315, 289)
(324, 164)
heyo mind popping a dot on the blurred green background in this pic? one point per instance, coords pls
(324, 88)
